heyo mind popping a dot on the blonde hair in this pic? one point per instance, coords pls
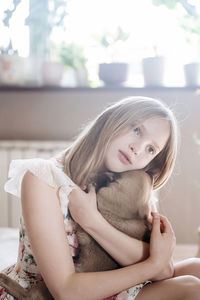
(85, 157)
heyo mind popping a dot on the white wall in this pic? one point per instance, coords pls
(59, 115)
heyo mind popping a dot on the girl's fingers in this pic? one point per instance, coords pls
(156, 224)
(166, 226)
(91, 188)
(83, 187)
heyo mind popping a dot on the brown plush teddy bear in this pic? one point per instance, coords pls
(125, 204)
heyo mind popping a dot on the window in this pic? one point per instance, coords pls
(17, 32)
(152, 30)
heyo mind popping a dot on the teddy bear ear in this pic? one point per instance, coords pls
(110, 176)
(153, 174)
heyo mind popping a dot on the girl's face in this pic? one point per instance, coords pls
(135, 147)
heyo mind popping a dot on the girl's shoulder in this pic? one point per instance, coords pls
(51, 171)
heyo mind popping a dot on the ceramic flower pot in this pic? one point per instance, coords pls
(192, 74)
(52, 73)
(153, 70)
(113, 73)
(81, 77)
(12, 69)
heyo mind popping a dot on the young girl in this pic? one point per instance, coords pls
(135, 133)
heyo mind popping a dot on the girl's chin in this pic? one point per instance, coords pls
(117, 169)
(121, 169)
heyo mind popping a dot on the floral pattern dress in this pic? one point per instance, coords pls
(51, 171)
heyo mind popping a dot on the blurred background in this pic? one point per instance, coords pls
(68, 42)
(63, 61)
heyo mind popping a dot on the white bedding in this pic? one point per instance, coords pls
(8, 246)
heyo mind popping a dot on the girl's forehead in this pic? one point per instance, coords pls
(151, 123)
(147, 121)
(157, 129)
(154, 121)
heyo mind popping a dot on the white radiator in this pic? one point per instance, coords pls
(10, 207)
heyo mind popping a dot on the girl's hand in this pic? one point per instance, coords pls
(83, 206)
(153, 209)
(162, 244)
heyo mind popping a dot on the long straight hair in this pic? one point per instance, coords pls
(85, 157)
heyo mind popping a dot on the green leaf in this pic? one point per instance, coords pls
(171, 4)
(72, 55)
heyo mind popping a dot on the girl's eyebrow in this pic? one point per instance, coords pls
(153, 142)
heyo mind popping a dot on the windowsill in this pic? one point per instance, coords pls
(15, 88)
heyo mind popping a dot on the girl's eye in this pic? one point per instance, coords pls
(151, 150)
(137, 130)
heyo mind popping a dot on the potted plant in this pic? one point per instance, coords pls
(153, 69)
(52, 72)
(192, 73)
(72, 56)
(112, 71)
(12, 66)
(41, 20)
(190, 22)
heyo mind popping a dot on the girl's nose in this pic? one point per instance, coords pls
(136, 148)
(133, 149)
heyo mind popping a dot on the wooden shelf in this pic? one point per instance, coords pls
(15, 88)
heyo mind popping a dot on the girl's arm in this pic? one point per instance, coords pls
(123, 248)
(45, 228)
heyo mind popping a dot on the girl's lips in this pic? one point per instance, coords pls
(124, 157)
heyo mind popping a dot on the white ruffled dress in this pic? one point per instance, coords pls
(51, 171)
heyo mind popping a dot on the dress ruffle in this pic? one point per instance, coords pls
(45, 170)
